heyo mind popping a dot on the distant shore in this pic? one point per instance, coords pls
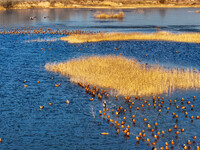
(93, 5)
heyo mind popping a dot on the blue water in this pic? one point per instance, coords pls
(23, 125)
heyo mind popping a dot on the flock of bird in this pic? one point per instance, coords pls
(30, 30)
(151, 133)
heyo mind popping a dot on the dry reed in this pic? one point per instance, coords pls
(2, 8)
(157, 36)
(93, 4)
(119, 15)
(125, 76)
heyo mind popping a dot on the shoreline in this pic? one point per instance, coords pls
(42, 5)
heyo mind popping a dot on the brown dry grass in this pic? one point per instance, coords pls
(95, 4)
(158, 36)
(2, 8)
(119, 15)
(125, 76)
(30, 4)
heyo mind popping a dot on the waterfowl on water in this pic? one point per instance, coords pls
(67, 101)
(119, 113)
(104, 104)
(104, 133)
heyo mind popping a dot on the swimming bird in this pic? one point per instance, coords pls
(104, 104)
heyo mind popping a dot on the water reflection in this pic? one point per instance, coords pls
(147, 20)
(13, 17)
(146, 12)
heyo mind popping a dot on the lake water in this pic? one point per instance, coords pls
(135, 19)
(23, 125)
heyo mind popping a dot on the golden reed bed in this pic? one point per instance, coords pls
(125, 76)
(119, 15)
(157, 36)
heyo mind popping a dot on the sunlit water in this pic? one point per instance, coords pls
(78, 125)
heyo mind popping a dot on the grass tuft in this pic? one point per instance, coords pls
(119, 15)
(126, 76)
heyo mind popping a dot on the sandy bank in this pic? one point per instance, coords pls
(158, 36)
(126, 76)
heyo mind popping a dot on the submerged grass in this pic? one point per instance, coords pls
(157, 36)
(119, 15)
(126, 76)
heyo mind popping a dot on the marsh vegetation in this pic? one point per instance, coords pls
(157, 36)
(126, 76)
(112, 15)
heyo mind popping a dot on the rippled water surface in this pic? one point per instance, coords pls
(23, 125)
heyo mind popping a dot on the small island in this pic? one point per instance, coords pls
(157, 36)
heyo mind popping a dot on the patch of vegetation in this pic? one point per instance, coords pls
(126, 76)
(119, 15)
(157, 36)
